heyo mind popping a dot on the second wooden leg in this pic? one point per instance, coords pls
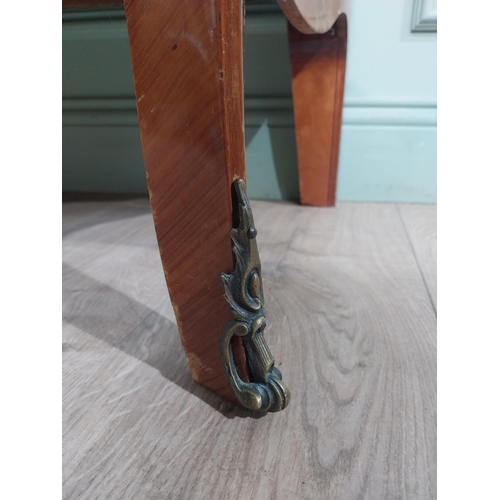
(318, 71)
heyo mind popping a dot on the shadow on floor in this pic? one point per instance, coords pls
(115, 318)
(81, 214)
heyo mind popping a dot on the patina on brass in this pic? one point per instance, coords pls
(243, 291)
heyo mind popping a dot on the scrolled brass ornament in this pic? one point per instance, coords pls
(243, 291)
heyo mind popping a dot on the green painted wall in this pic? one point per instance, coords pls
(388, 147)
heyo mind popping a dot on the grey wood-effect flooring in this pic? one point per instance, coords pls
(350, 299)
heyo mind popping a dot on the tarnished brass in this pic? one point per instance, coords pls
(243, 291)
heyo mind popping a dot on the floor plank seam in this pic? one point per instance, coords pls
(416, 259)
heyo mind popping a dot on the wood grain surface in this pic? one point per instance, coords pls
(350, 324)
(318, 74)
(187, 60)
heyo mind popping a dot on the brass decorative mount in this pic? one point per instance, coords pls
(243, 291)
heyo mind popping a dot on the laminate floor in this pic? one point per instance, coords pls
(351, 307)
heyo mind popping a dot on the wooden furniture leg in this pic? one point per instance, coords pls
(187, 60)
(318, 71)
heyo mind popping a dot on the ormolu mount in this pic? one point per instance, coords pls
(243, 291)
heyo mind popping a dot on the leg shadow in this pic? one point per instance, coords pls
(115, 318)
